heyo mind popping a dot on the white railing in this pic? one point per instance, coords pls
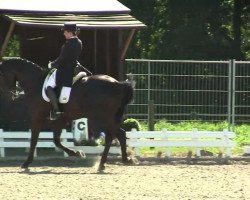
(22, 140)
(192, 139)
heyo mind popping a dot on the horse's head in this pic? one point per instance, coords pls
(7, 78)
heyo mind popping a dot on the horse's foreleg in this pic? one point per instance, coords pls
(121, 136)
(35, 130)
(70, 152)
(108, 141)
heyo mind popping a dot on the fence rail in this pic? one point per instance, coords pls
(191, 90)
(191, 139)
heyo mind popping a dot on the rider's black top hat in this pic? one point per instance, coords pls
(70, 26)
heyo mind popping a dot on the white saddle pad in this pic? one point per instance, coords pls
(50, 80)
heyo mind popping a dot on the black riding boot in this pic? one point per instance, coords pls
(55, 113)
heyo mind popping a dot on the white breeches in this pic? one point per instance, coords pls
(65, 92)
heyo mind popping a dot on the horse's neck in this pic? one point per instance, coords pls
(30, 80)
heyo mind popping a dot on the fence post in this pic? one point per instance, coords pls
(2, 150)
(233, 92)
(150, 102)
(151, 115)
(229, 99)
(149, 81)
(168, 152)
(137, 150)
(226, 138)
(197, 140)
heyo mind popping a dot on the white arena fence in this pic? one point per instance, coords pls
(191, 139)
(190, 90)
(21, 139)
(136, 139)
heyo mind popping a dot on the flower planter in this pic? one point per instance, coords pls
(97, 149)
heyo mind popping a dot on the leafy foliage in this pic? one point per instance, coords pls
(188, 126)
(191, 29)
(131, 123)
(13, 49)
(186, 29)
(242, 131)
(242, 134)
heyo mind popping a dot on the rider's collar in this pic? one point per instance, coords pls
(73, 37)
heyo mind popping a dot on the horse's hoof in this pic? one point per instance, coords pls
(131, 161)
(24, 166)
(80, 154)
(101, 168)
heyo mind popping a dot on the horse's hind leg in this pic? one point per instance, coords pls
(121, 136)
(108, 141)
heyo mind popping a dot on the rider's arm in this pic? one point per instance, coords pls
(65, 53)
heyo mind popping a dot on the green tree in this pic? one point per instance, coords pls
(191, 29)
(13, 49)
(141, 10)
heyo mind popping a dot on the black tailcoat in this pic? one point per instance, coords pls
(67, 61)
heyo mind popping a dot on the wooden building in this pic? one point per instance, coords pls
(106, 31)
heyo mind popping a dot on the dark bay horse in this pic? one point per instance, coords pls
(100, 98)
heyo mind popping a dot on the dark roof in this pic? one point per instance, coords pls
(63, 6)
(113, 21)
(108, 14)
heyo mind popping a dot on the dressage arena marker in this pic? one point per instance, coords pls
(193, 139)
(80, 129)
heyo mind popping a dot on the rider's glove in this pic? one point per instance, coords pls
(49, 65)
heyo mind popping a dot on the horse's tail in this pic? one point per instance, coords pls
(128, 93)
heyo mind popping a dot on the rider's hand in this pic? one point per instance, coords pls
(49, 65)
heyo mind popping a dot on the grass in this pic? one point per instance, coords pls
(242, 135)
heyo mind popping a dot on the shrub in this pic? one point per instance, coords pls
(131, 123)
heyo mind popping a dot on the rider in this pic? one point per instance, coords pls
(65, 65)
